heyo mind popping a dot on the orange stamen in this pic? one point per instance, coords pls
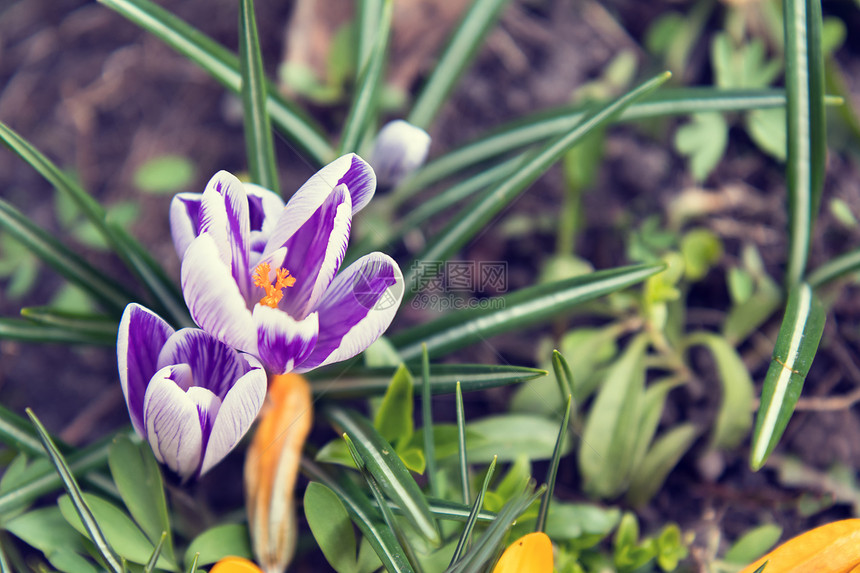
(274, 292)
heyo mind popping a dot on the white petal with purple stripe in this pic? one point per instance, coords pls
(283, 342)
(140, 337)
(236, 414)
(356, 309)
(213, 298)
(173, 422)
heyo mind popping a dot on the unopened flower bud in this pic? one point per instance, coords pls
(400, 149)
(271, 469)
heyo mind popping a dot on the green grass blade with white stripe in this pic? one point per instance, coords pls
(796, 345)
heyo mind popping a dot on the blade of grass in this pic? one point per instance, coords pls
(478, 215)
(74, 491)
(95, 325)
(795, 349)
(387, 468)
(364, 103)
(133, 254)
(552, 472)
(150, 565)
(461, 446)
(369, 14)
(223, 66)
(27, 331)
(488, 545)
(458, 54)
(82, 463)
(381, 538)
(545, 124)
(473, 515)
(804, 82)
(356, 382)
(61, 259)
(563, 374)
(450, 510)
(258, 129)
(524, 307)
(427, 422)
(378, 496)
(835, 268)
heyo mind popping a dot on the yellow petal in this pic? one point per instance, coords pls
(271, 468)
(831, 548)
(235, 565)
(530, 553)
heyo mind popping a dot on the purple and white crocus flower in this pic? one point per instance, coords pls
(263, 277)
(189, 395)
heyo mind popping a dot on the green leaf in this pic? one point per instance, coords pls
(746, 317)
(223, 65)
(364, 102)
(164, 174)
(475, 217)
(61, 259)
(609, 437)
(381, 537)
(754, 543)
(653, 401)
(120, 532)
(259, 147)
(804, 80)
(46, 530)
(458, 54)
(443, 379)
(734, 418)
(796, 345)
(85, 518)
(702, 249)
(393, 420)
(509, 436)
(331, 526)
(574, 520)
(220, 541)
(703, 141)
(670, 548)
(664, 455)
(522, 308)
(767, 129)
(138, 478)
(388, 470)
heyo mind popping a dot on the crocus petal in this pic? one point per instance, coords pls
(173, 423)
(237, 413)
(224, 215)
(531, 552)
(349, 170)
(184, 220)
(140, 337)
(356, 309)
(213, 298)
(400, 149)
(283, 342)
(214, 365)
(264, 208)
(315, 251)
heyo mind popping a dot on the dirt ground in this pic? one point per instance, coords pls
(99, 97)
